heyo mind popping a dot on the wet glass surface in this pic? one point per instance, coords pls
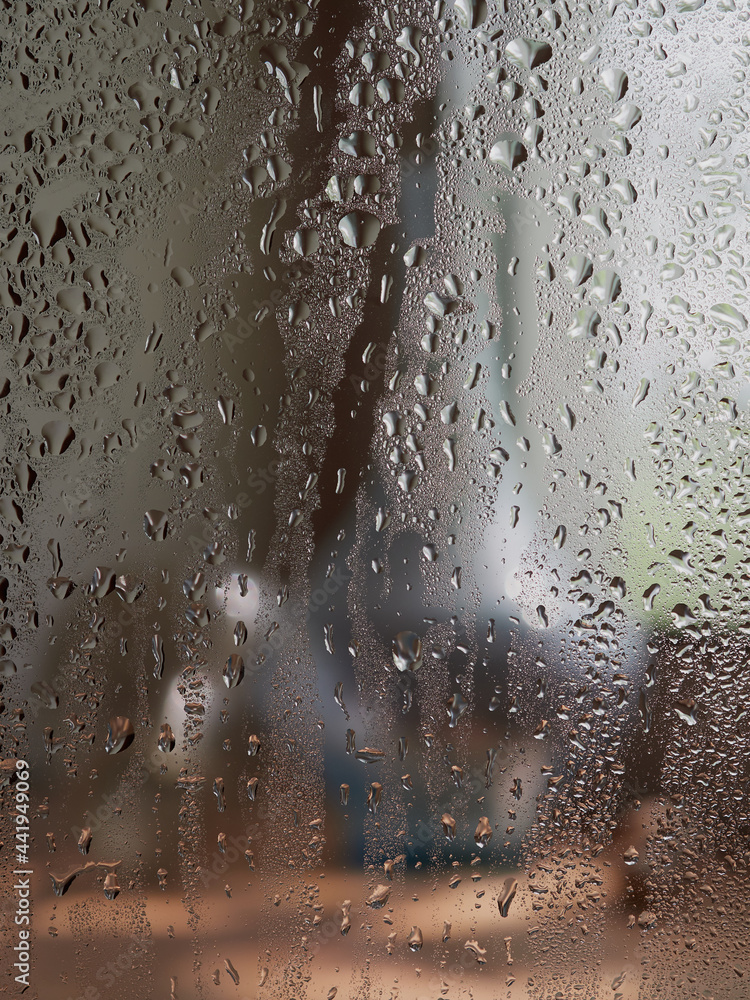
(374, 431)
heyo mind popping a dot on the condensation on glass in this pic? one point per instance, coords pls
(373, 412)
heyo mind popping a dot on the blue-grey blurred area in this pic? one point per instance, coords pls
(373, 416)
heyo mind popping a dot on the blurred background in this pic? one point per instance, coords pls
(374, 512)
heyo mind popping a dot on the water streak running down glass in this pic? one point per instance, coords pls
(375, 451)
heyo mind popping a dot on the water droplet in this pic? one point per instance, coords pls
(120, 734)
(406, 650)
(359, 229)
